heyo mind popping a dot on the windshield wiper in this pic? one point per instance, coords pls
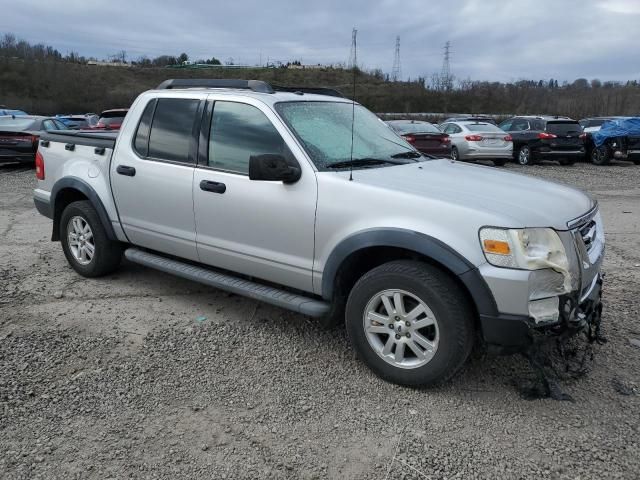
(407, 154)
(363, 162)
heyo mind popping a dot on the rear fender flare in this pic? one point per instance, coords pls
(87, 190)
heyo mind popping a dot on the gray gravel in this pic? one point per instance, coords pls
(142, 375)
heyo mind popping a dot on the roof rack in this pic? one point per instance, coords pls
(253, 85)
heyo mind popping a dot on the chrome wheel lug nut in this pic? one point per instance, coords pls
(391, 326)
(408, 324)
(408, 335)
(397, 337)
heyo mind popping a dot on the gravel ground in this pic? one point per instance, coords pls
(142, 375)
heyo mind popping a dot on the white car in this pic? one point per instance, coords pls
(478, 141)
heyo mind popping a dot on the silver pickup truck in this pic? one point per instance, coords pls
(306, 200)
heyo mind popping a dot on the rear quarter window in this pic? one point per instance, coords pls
(171, 129)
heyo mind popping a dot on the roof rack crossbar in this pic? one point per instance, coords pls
(254, 85)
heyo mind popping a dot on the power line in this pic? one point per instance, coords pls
(396, 72)
(353, 54)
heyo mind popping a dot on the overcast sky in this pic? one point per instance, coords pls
(491, 39)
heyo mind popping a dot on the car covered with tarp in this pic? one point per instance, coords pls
(617, 139)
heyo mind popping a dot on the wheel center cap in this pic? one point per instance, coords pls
(400, 327)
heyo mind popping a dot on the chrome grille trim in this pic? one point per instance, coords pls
(583, 219)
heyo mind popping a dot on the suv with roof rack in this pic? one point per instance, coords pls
(538, 138)
(306, 200)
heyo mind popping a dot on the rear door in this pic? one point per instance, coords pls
(152, 176)
(257, 228)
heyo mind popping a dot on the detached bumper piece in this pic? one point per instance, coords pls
(558, 352)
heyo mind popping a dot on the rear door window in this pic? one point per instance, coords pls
(564, 128)
(238, 132)
(171, 129)
(520, 125)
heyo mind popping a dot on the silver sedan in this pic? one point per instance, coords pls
(479, 141)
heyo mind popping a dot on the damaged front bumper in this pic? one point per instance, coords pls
(577, 314)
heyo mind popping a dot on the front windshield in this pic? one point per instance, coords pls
(324, 129)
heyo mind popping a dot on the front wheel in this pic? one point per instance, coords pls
(410, 323)
(455, 155)
(85, 242)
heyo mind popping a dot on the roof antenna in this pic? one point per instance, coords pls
(354, 51)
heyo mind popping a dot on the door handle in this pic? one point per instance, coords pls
(124, 170)
(215, 187)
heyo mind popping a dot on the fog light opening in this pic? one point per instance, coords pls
(546, 310)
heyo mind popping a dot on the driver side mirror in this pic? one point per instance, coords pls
(272, 167)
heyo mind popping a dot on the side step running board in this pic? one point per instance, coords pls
(223, 281)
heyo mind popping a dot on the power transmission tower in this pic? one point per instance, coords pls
(396, 72)
(353, 55)
(446, 80)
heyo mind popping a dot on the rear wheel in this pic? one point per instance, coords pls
(455, 155)
(524, 155)
(599, 156)
(85, 242)
(410, 323)
(499, 162)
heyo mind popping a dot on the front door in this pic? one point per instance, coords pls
(152, 177)
(259, 228)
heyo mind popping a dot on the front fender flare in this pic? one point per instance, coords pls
(425, 245)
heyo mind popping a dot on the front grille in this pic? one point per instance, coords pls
(588, 233)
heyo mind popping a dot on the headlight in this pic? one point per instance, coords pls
(526, 249)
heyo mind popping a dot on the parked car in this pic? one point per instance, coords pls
(617, 139)
(593, 124)
(471, 141)
(309, 202)
(78, 122)
(111, 119)
(472, 118)
(19, 136)
(424, 136)
(538, 138)
(7, 111)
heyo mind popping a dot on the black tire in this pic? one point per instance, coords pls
(599, 156)
(455, 155)
(524, 156)
(107, 253)
(636, 162)
(499, 162)
(450, 306)
(566, 161)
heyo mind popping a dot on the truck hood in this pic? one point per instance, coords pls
(519, 200)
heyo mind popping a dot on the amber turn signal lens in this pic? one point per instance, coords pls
(497, 247)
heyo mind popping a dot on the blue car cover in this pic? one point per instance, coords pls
(628, 127)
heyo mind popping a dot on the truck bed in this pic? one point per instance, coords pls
(89, 139)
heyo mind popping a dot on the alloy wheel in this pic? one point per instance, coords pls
(80, 237)
(401, 328)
